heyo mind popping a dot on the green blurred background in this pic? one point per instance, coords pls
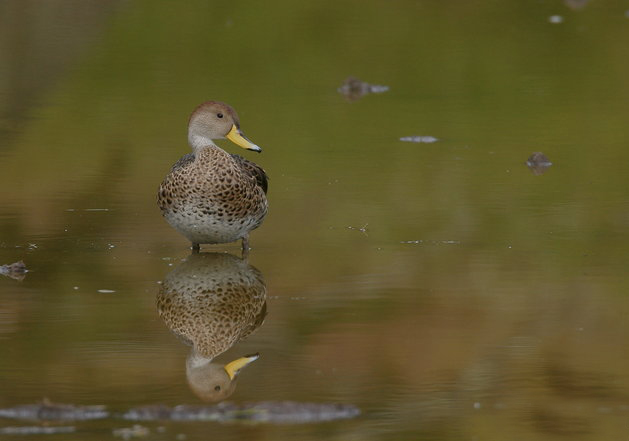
(505, 315)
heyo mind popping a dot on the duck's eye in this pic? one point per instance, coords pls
(217, 388)
(220, 115)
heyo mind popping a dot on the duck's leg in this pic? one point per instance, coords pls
(245, 246)
(196, 247)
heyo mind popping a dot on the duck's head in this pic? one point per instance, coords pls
(216, 120)
(212, 381)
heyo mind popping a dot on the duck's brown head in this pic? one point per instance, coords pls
(216, 120)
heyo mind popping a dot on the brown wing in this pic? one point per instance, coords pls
(253, 170)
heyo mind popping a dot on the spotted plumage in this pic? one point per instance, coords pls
(212, 301)
(209, 195)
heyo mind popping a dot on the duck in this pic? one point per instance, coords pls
(211, 196)
(212, 301)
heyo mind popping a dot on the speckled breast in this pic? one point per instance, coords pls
(211, 198)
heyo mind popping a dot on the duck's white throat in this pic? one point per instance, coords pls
(199, 141)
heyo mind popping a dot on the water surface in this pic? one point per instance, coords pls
(443, 288)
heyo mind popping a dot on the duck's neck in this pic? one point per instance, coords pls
(198, 142)
(196, 360)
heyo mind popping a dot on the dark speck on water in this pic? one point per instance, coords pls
(353, 88)
(538, 163)
(15, 270)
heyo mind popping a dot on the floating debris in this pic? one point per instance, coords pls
(153, 412)
(419, 139)
(282, 412)
(362, 229)
(15, 270)
(136, 431)
(432, 242)
(555, 19)
(538, 163)
(35, 430)
(276, 412)
(288, 412)
(54, 412)
(353, 88)
(106, 291)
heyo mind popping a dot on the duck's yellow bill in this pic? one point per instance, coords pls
(233, 367)
(236, 136)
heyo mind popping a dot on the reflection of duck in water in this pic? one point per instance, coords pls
(212, 301)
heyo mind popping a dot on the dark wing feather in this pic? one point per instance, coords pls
(183, 161)
(253, 170)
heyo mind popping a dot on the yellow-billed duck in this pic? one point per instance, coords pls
(211, 196)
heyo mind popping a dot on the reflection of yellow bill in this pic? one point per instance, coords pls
(236, 136)
(233, 367)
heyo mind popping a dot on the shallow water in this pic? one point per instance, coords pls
(443, 288)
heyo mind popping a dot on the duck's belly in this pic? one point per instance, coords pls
(205, 228)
